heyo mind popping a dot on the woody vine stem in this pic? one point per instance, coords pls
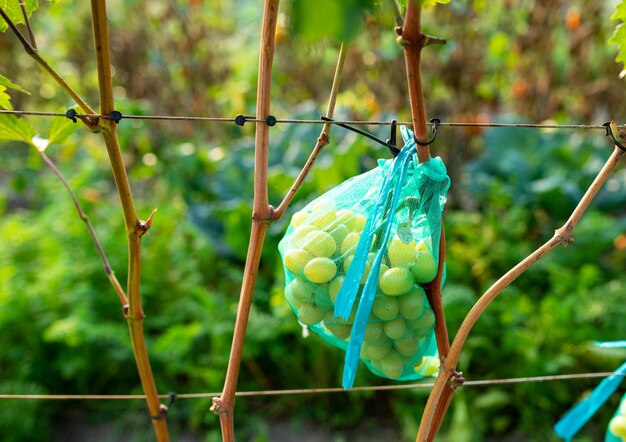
(262, 213)
(413, 41)
(562, 236)
(449, 379)
(135, 228)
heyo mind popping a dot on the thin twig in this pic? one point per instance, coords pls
(135, 228)
(397, 14)
(322, 140)
(54, 74)
(27, 46)
(81, 214)
(261, 218)
(561, 236)
(28, 27)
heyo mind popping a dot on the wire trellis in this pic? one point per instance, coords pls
(307, 121)
(422, 385)
(241, 120)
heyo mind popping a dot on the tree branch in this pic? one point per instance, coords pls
(135, 228)
(322, 140)
(561, 236)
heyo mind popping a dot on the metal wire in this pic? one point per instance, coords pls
(478, 383)
(313, 390)
(305, 121)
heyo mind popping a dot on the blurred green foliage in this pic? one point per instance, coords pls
(619, 35)
(62, 328)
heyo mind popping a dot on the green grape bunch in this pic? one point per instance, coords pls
(317, 254)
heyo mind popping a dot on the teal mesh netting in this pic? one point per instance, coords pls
(354, 260)
(616, 432)
(572, 422)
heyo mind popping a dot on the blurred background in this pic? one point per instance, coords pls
(508, 61)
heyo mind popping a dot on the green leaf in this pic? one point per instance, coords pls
(12, 9)
(426, 3)
(60, 130)
(4, 81)
(619, 35)
(340, 20)
(5, 99)
(15, 129)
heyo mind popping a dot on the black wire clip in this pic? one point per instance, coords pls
(71, 114)
(164, 409)
(116, 116)
(435, 123)
(609, 133)
(241, 119)
(388, 144)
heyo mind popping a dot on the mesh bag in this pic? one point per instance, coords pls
(617, 426)
(354, 260)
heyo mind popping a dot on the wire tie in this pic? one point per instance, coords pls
(609, 133)
(171, 399)
(435, 123)
(71, 114)
(270, 120)
(394, 149)
(116, 116)
(164, 409)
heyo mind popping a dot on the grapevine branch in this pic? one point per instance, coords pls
(322, 140)
(563, 236)
(32, 51)
(31, 36)
(397, 15)
(413, 41)
(135, 228)
(81, 214)
(261, 217)
(263, 213)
